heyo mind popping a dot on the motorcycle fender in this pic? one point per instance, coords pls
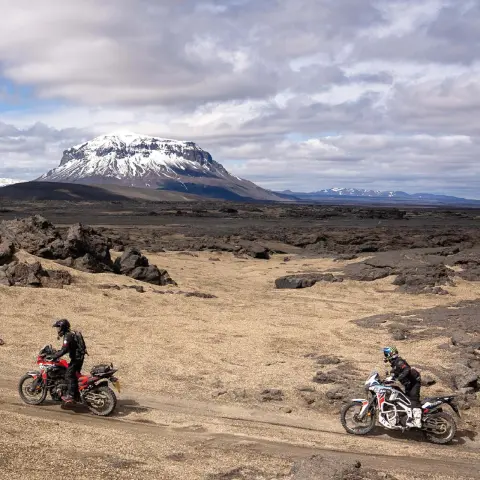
(34, 374)
(454, 406)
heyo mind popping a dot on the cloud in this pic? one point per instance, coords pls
(360, 160)
(26, 153)
(312, 93)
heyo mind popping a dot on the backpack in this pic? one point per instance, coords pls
(81, 347)
(415, 374)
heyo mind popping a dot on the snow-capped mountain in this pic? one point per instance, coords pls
(135, 160)
(353, 192)
(356, 192)
(8, 181)
(356, 195)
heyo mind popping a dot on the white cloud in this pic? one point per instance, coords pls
(331, 92)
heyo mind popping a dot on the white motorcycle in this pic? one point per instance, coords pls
(388, 403)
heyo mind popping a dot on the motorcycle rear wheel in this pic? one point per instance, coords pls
(101, 401)
(446, 436)
(364, 427)
(28, 397)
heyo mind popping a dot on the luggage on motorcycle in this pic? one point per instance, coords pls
(100, 370)
(81, 347)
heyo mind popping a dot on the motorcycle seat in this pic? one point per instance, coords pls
(440, 397)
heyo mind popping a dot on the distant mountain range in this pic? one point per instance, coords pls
(127, 165)
(355, 195)
(133, 160)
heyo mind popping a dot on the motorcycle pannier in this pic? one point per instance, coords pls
(100, 369)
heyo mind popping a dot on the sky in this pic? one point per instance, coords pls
(291, 94)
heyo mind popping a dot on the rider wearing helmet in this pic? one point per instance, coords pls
(70, 346)
(409, 378)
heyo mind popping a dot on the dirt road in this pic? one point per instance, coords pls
(228, 428)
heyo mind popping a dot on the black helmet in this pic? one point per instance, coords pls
(63, 326)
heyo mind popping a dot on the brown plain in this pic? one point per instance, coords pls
(220, 353)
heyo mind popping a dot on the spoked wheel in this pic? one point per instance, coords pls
(439, 428)
(352, 423)
(101, 401)
(30, 392)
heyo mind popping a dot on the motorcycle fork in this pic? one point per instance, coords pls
(366, 409)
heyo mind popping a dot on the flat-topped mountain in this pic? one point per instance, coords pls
(133, 160)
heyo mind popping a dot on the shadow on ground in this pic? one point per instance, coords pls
(462, 436)
(124, 408)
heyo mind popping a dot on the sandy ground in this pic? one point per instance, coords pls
(221, 351)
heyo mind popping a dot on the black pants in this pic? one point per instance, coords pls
(74, 367)
(412, 391)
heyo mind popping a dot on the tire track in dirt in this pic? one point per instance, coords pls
(265, 422)
(324, 424)
(460, 468)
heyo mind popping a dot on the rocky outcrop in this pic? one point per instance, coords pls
(424, 279)
(464, 376)
(83, 248)
(21, 274)
(257, 251)
(133, 264)
(469, 261)
(414, 273)
(90, 247)
(305, 280)
(7, 252)
(35, 234)
(363, 272)
(39, 237)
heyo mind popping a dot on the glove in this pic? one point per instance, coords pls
(390, 378)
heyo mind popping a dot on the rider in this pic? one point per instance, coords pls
(77, 357)
(409, 378)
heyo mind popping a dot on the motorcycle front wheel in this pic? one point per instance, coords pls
(352, 424)
(29, 395)
(101, 401)
(439, 428)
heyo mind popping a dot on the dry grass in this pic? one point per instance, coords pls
(191, 340)
(250, 338)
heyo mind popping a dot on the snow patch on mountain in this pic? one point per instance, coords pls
(357, 192)
(129, 156)
(381, 196)
(8, 181)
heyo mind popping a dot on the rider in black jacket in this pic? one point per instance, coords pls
(409, 378)
(77, 357)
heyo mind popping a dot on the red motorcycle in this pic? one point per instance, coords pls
(94, 391)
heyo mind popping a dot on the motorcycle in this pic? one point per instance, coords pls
(93, 390)
(392, 407)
